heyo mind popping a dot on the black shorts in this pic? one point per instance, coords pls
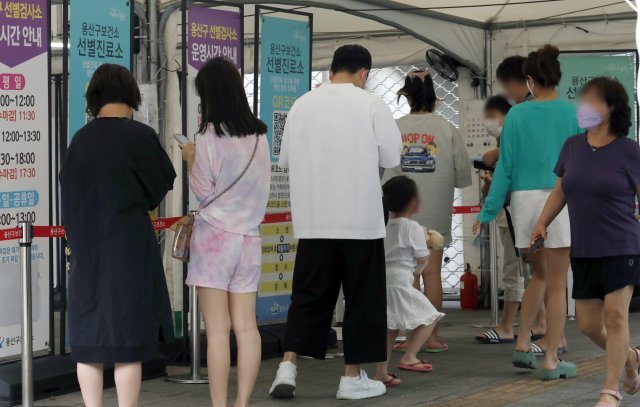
(593, 278)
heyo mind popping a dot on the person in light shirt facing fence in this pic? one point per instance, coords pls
(229, 172)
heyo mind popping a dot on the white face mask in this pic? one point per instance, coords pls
(493, 127)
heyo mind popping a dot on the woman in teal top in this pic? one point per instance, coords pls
(533, 135)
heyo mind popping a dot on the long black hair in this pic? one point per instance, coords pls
(420, 93)
(223, 102)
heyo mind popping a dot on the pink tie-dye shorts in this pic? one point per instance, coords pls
(224, 260)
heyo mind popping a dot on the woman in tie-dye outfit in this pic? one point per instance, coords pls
(225, 245)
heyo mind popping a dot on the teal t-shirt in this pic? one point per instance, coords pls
(530, 143)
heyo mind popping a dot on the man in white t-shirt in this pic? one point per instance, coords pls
(335, 139)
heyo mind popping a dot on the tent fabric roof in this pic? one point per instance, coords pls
(501, 11)
(455, 26)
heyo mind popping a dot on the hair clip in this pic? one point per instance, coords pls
(418, 74)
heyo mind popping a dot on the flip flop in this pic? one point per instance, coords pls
(414, 367)
(491, 337)
(400, 347)
(634, 382)
(534, 336)
(539, 352)
(443, 348)
(564, 370)
(393, 382)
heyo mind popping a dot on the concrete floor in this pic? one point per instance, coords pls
(469, 375)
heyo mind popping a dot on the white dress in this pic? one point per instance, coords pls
(407, 307)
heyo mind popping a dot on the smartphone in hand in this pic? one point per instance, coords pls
(535, 246)
(181, 139)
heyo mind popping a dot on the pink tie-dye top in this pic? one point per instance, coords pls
(219, 161)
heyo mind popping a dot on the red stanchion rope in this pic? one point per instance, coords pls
(166, 223)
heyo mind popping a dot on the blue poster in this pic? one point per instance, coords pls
(284, 73)
(100, 33)
(284, 77)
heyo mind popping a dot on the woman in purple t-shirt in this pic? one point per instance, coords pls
(599, 179)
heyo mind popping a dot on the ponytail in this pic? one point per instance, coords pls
(419, 90)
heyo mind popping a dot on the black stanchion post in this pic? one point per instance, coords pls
(27, 336)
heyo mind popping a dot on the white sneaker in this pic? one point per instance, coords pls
(357, 388)
(284, 386)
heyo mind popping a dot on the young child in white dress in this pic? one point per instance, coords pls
(406, 253)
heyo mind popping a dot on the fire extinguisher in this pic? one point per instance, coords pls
(468, 289)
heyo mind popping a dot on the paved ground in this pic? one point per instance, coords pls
(469, 375)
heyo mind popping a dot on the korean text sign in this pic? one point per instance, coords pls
(580, 68)
(284, 73)
(284, 77)
(24, 162)
(100, 33)
(211, 33)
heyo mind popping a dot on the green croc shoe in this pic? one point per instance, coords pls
(564, 370)
(524, 360)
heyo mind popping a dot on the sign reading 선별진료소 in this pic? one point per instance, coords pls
(284, 77)
(580, 68)
(100, 32)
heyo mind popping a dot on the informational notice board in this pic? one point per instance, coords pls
(24, 163)
(580, 68)
(100, 33)
(284, 76)
(211, 33)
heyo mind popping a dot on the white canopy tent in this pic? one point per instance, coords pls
(477, 33)
(457, 27)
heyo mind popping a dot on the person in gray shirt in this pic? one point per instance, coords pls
(434, 156)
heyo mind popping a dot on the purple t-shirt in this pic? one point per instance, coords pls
(600, 189)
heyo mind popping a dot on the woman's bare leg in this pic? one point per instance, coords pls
(214, 305)
(616, 321)
(432, 276)
(556, 278)
(128, 378)
(243, 320)
(418, 337)
(532, 300)
(90, 377)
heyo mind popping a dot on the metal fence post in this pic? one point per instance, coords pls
(493, 278)
(27, 336)
(194, 377)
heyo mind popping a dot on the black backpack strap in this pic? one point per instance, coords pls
(511, 230)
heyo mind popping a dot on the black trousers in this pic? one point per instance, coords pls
(322, 266)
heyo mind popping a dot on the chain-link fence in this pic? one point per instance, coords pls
(386, 82)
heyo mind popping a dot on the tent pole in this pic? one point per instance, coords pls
(487, 89)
